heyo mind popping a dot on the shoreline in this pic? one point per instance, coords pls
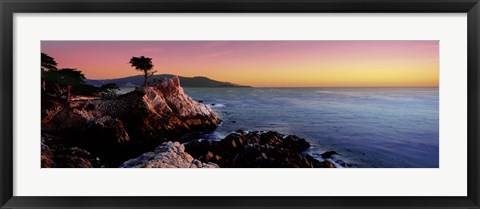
(223, 112)
(217, 136)
(256, 150)
(237, 150)
(109, 132)
(389, 128)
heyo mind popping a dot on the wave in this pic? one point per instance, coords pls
(217, 105)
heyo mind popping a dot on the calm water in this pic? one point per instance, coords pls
(368, 127)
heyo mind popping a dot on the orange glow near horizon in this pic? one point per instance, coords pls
(261, 63)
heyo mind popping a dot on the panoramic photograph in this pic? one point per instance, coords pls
(240, 104)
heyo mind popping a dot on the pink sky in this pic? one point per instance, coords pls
(261, 63)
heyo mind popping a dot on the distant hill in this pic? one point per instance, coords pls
(135, 81)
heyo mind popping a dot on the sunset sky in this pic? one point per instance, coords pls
(261, 63)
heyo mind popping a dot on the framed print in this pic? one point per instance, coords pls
(241, 104)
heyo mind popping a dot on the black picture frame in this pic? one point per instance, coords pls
(10, 7)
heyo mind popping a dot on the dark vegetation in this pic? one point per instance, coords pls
(66, 82)
(145, 65)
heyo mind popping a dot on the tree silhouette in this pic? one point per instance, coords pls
(143, 64)
(62, 81)
(47, 64)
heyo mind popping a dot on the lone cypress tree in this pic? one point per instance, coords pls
(145, 65)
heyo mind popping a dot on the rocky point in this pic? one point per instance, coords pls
(123, 127)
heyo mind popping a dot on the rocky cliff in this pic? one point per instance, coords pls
(121, 128)
(156, 111)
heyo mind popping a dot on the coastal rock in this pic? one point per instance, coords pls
(46, 157)
(73, 157)
(168, 155)
(107, 128)
(54, 155)
(254, 150)
(320, 164)
(327, 164)
(295, 143)
(126, 126)
(75, 120)
(266, 156)
(211, 157)
(329, 154)
(148, 113)
(201, 148)
(231, 143)
(271, 138)
(157, 111)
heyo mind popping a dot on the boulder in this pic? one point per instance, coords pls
(266, 156)
(232, 142)
(328, 154)
(200, 147)
(295, 143)
(168, 155)
(255, 150)
(327, 164)
(271, 138)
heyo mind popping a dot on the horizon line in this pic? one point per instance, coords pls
(246, 86)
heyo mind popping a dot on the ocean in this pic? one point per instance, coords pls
(368, 127)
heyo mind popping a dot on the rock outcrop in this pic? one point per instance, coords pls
(256, 150)
(147, 113)
(157, 111)
(46, 157)
(168, 155)
(124, 127)
(55, 154)
(77, 121)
